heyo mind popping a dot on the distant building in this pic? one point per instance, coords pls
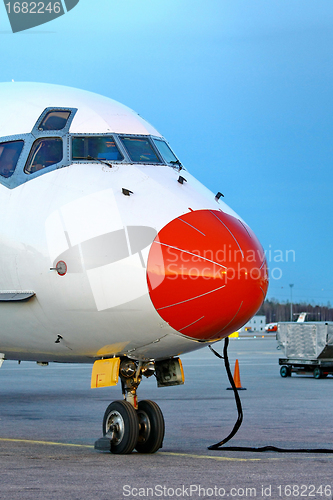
(256, 324)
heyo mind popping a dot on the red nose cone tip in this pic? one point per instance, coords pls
(207, 274)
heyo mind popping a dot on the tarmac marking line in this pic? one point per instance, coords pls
(211, 457)
(266, 458)
(48, 443)
(168, 453)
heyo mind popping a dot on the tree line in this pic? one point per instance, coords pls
(276, 311)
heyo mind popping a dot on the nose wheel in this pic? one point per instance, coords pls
(151, 427)
(120, 423)
(128, 428)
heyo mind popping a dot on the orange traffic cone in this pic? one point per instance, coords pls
(237, 378)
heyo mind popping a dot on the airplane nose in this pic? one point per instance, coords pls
(207, 274)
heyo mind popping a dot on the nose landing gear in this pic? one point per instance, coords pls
(120, 425)
(151, 427)
(128, 424)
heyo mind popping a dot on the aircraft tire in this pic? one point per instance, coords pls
(123, 416)
(151, 427)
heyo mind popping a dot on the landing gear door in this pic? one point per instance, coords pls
(105, 373)
(169, 372)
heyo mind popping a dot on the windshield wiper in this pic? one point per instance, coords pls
(100, 161)
(177, 162)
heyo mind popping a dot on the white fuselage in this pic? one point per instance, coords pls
(78, 213)
(105, 309)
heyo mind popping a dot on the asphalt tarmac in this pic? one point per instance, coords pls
(50, 418)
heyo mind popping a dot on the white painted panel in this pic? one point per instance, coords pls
(118, 283)
(91, 216)
(56, 240)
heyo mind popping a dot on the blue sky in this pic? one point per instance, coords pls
(242, 89)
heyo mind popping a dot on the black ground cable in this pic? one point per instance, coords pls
(219, 446)
(237, 398)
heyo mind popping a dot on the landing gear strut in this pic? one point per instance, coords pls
(128, 424)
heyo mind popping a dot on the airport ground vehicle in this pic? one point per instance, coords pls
(307, 348)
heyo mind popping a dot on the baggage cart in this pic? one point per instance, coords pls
(307, 348)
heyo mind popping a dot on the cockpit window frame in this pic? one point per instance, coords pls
(161, 139)
(16, 178)
(36, 131)
(5, 177)
(85, 160)
(49, 118)
(52, 166)
(19, 176)
(151, 142)
(127, 159)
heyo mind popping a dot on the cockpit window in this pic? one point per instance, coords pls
(44, 153)
(54, 120)
(9, 155)
(95, 148)
(140, 149)
(165, 151)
